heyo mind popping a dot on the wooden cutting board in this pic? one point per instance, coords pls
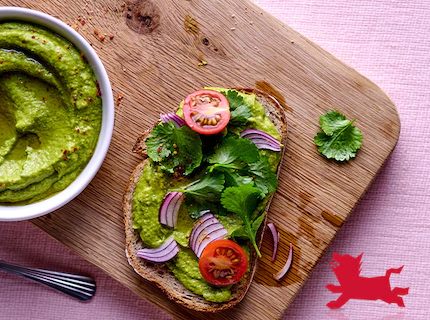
(163, 50)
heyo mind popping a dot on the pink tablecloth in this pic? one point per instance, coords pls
(387, 41)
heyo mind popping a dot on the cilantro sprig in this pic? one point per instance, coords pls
(242, 164)
(339, 139)
(234, 153)
(208, 188)
(175, 148)
(243, 201)
(203, 194)
(234, 99)
(264, 179)
(240, 112)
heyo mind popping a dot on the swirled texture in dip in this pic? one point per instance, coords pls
(50, 113)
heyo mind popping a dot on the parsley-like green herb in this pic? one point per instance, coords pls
(203, 194)
(243, 201)
(196, 209)
(234, 99)
(241, 164)
(175, 148)
(234, 179)
(241, 231)
(240, 112)
(240, 115)
(208, 188)
(234, 153)
(339, 139)
(264, 179)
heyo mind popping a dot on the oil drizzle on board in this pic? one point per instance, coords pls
(268, 88)
(333, 219)
(267, 268)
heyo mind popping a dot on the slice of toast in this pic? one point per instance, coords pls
(159, 273)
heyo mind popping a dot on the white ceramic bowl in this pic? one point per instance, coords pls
(24, 212)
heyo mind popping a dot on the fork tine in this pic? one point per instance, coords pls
(77, 286)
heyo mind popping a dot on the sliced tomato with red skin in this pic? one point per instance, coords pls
(206, 111)
(223, 262)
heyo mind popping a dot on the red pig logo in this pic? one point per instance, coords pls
(352, 286)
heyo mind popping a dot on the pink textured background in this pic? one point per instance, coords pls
(386, 40)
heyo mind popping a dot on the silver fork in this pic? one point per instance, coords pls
(77, 286)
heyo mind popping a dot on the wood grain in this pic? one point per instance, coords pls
(154, 60)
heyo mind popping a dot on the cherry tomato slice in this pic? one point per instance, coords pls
(206, 111)
(223, 262)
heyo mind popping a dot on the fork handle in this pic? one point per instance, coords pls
(77, 286)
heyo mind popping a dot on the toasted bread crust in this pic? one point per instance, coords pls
(159, 273)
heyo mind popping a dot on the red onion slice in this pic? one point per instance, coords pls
(275, 236)
(278, 276)
(177, 120)
(198, 227)
(206, 229)
(168, 214)
(163, 253)
(261, 139)
(206, 221)
(215, 235)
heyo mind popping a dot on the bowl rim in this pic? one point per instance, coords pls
(50, 204)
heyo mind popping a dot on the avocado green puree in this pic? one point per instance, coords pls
(148, 197)
(50, 113)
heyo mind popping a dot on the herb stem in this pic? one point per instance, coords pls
(250, 235)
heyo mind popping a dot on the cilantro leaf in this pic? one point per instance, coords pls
(154, 146)
(339, 139)
(264, 179)
(234, 99)
(203, 194)
(332, 122)
(196, 210)
(240, 112)
(175, 148)
(240, 115)
(234, 179)
(233, 153)
(209, 188)
(243, 201)
(241, 231)
(241, 164)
